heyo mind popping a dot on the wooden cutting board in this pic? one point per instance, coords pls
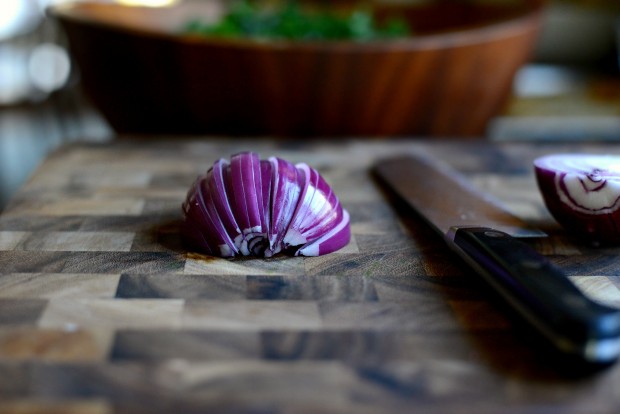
(102, 310)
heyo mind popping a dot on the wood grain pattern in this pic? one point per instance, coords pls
(461, 55)
(103, 311)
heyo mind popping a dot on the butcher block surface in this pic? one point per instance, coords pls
(102, 310)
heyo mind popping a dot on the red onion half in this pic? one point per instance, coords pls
(582, 192)
(250, 206)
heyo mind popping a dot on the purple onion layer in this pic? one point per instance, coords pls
(582, 192)
(259, 207)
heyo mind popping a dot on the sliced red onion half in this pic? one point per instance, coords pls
(582, 192)
(259, 207)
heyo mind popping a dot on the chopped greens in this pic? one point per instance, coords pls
(290, 21)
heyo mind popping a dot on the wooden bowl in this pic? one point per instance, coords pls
(448, 79)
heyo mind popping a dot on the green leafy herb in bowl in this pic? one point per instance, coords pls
(290, 21)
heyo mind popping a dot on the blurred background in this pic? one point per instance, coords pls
(570, 90)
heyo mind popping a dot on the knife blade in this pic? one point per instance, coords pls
(485, 235)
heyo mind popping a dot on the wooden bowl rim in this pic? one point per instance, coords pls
(527, 21)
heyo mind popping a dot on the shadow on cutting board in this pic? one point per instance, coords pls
(504, 341)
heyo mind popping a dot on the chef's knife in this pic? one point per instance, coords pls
(483, 234)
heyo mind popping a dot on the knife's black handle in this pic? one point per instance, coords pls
(542, 293)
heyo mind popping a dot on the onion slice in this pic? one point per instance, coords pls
(318, 214)
(582, 192)
(250, 206)
(333, 240)
(216, 185)
(248, 209)
(217, 240)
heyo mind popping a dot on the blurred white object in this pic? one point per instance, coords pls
(14, 82)
(32, 64)
(539, 80)
(18, 17)
(49, 67)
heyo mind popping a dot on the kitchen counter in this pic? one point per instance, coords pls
(102, 310)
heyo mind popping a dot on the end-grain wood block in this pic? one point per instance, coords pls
(102, 309)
